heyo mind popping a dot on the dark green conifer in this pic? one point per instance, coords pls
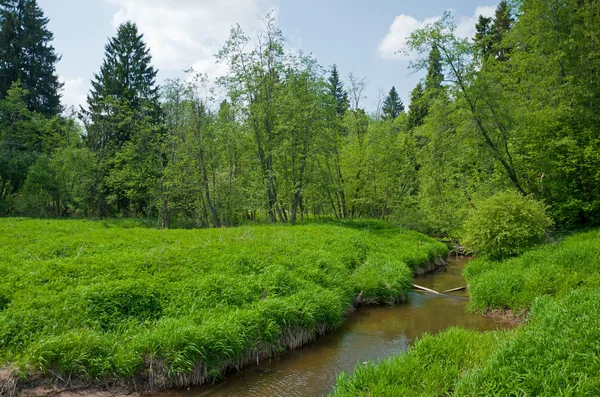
(419, 107)
(27, 55)
(125, 88)
(392, 106)
(336, 88)
(503, 22)
(483, 37)
(435, 74)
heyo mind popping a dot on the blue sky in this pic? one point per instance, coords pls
(359, 36)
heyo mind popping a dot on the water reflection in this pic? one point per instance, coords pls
(369, 334)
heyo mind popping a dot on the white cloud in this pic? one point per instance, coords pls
(393, 45)
(74, 92)
(187, 33)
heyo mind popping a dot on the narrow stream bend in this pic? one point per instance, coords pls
(369, 334)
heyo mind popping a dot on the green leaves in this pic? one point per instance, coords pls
(505, 225)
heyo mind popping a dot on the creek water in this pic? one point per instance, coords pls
(371, 333)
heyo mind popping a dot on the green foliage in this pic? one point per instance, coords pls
(106, 300)
(27, 56)
(506, 224)
(557, 353)
(392, 106)
(431, 367)
(549, 270)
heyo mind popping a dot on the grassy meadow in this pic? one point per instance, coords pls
(101, 301)
(556, 352)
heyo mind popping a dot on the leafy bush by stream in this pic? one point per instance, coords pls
(505, 225)
(95, 300)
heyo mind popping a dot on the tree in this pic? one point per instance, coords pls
(126, 83)
(483, 36)
(19, 142)
(123, 121)
(392, 106)
(503, 22)
(358, 86)
(337, 91)
(456, 55)
(256, 80)
(435, 74)
(27, 55)
(418, 107)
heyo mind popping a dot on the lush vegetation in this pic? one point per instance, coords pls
(554, 270)
(555, 353)
(430, 368)
(513, 108)
(102, 300)
(505, 225)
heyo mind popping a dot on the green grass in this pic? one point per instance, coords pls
(553, 270)
(556, 353)
(102, 301)
(430, 368)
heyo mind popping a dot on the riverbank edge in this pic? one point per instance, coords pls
(154, 377)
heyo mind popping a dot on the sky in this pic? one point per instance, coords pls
(361, 37)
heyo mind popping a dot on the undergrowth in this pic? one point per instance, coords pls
(98, 300)
(556, 353)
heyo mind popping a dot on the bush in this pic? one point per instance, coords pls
(505, 225)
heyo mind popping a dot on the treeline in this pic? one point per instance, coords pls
(283, 139)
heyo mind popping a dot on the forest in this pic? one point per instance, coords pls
(282, 138)
(166, 234)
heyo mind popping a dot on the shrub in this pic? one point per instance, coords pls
(505, 225)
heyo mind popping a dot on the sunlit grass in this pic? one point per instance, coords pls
(556, 353)
(98, 300)
(553, 270)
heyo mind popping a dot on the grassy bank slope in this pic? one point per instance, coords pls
(95, 301)
(556, 353)
(553, 270)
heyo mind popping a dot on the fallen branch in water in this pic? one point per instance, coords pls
(455, 289)
(425, 289)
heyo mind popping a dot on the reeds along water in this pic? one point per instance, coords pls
(96, 302)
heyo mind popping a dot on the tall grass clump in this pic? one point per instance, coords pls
(431, 367)
(98, 301)
(553, 270)
(556, 354)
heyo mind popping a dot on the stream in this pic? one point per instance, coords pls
(371, 333)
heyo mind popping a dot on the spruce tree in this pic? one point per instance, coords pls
(483, 37)
(419, 107)
(336, 88)
(124, 87)
(435, 74)
(27, 55)
(503, 22)
(123, 120)
(392, 106)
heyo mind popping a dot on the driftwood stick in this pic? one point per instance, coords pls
(455, 289)
(425, 289)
